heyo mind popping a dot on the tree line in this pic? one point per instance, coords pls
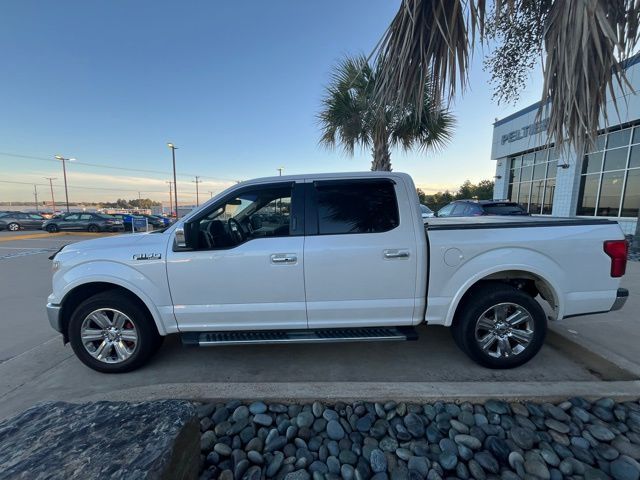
(483, 190)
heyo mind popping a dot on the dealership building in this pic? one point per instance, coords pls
(602, 182)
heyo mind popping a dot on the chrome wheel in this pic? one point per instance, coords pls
(504, 330)
(14, 227)
(109, 335)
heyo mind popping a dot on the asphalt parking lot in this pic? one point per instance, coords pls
(35, 366)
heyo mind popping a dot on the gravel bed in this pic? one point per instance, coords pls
(573, 439)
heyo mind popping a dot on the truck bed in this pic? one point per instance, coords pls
(461, 223)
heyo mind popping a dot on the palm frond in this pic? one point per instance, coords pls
(428, 37)
(584, 42)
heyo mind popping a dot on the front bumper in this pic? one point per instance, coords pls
(621, 299)
(53, 313)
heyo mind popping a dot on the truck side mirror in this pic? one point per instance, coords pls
(187, 235)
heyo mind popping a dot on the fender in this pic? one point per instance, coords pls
(491, 262)
(155, 297)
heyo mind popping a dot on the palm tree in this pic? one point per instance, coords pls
(581, 42)
(352, 117)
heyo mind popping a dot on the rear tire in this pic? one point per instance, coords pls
(13, 227)
(52, 228)
(93, 228)
(127, 341)
(499, 326)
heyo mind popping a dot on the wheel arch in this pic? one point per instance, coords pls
(519, 277)
(81, 292)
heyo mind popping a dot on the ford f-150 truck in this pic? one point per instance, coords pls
(328, 258)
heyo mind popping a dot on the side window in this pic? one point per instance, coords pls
(257, 213)
(446, 210)
(86, 216)
(473, 210)
(356, 207)
(36, 217)
(71, 217)
(458, 210)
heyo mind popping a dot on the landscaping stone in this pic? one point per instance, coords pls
(361, 440)
(115, 440)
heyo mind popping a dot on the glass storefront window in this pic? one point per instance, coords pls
(549, 190)
(636, 135)
(539, 171)
(619, 138)
(523, 195)
(592, 162)
(631, 201)
(634, 156)
(532, 179)
(610, 193)
(588, 194)
(615, 159)
(537, 191)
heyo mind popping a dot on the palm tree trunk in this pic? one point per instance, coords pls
(380, 151)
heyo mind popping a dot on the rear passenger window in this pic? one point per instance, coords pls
(356, 207)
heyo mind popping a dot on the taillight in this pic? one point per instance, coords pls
(617, 250)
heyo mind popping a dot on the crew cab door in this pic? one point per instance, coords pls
(246, 271)
(360, 254)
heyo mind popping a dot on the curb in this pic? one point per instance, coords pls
(412, 392)
(604, 363)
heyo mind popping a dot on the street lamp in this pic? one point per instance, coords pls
(64, 172)
(280, 169)
(175, 183)
(53, 200)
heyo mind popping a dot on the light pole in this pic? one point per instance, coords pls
(280, 169)
(210, 194)
(170, 195)
(175, 183)
(197, 181)
(35, 193)
(64, 172)
(53, 200)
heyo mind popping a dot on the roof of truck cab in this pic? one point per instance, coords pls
(322, 176)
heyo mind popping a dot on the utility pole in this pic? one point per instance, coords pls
(170, 195)
(280, 169)
(197, 181)
(53, 200)
(175, 183)
(210, 194)
(35, 193)
(64, 172)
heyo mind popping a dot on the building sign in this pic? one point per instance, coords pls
(526, 131)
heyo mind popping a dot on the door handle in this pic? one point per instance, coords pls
(284, 258)
(395, 253)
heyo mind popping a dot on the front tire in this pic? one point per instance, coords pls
(13, 227)
(111, 333)
(93, 229)
(52, 228)
(499, 326)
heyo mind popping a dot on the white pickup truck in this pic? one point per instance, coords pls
(328, 258)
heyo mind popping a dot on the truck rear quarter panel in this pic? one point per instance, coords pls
(570, 259)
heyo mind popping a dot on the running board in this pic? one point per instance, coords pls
(368, 334)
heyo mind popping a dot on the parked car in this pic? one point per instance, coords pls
(127, 220)
(350, 260)
(476, 208)
(87, 222)
(426, 212)
(154, 221)
(15, 221)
